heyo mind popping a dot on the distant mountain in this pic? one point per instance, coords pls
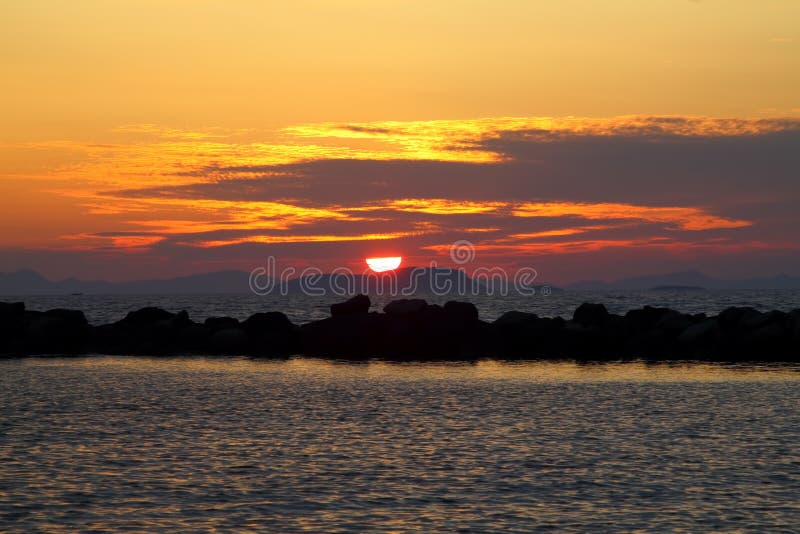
(438, 280)
(694, 279)
(405, 281)
(677, 288)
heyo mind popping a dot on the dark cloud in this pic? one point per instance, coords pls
(751, 177)
(664, 169)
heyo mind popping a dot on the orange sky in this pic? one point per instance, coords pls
(156, 138)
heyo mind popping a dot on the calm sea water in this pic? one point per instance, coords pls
(301, 308)
(187, 444)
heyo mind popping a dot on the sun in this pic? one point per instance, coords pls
(380, 265)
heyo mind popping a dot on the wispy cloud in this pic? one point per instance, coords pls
(518, 186)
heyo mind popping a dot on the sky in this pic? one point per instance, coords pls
(585, 139)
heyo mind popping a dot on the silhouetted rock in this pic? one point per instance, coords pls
(588, 314)
(271, 334)
(12, 317)
(516, 319)
(267, 322)
(411, 329)
(701, 335)
(147, 315)
(146, 331)
(794, 316)
(353, 335)
(673, 323)
(514, 333)
(644, 319)
(735, 317)
(356, 305)
(405, 306)
(193, 338)
(464, 312)
(229, 341)
(215, 324)
(10, 310)
(56, 332)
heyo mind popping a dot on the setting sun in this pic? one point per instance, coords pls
(380, 265)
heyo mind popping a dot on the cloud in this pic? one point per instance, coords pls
(516, 186)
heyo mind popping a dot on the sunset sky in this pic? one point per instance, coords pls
(586, 139)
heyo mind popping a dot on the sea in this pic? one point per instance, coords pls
(301, 308)
(130, 443)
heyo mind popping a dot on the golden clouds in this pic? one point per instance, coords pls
(147, 154)
(150, 184)
(685, 218)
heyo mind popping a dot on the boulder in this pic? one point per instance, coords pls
(770, 334)
(588, 314)
(644, 319)
(271, 334)
(701, 335)
(11, 310)
(515, 319)
(229, 341)
(405, 307)
(168, 328)
(356, 335)
(267, 322)
(193, 338)
(462, 312)
(354, 306)
(673, 323)
(148, 315)
(731, 318)
(215, 324)
(56, 332)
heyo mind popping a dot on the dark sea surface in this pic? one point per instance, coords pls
(190, 444)
(187, 444)
(301, 308)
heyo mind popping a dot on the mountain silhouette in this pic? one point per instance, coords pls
(437, 280)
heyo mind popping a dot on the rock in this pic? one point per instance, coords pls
(642, 320)
(229, 341)
(463, 312)
(673, 323)
(267, 322)
(514, 333)
(149, 315)
(271, 334)
(56, 332)
(192, 338)
(700, 335)
(770, 334)
(588, 314)
(410, 329)
(405, 306)
(515, 319)
(215, 324)
(168, 327)
(9, 310)
(795, 325)
(356, 305)
(351, 336)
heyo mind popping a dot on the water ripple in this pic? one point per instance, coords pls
(198, 444)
